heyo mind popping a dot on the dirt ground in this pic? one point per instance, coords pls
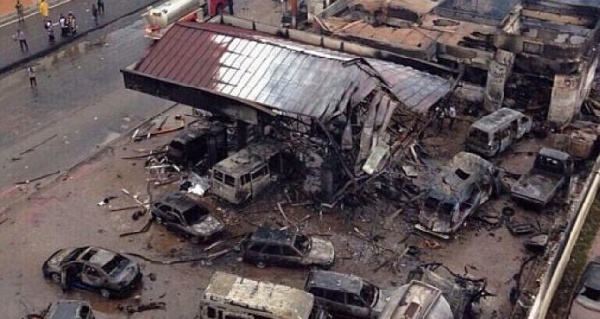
(66, 214)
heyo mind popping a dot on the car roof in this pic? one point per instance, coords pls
(248, 158)
(280, 300)
(554, 153)
(177, 200)
(334, 281)
(66, 309)
(100, 256)
(496, 119)
(591, 276)
(266, 234)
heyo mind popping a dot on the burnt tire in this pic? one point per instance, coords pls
(261, 264)
(55, 277)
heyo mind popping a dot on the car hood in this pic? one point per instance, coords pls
(321, 252)
(382, 300)
(209, 226)
(54, 262)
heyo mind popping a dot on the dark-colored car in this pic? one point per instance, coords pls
(93, 268)
(70, 309)
(184, 216)
(346, 295)
(586, 302)
(266, 246)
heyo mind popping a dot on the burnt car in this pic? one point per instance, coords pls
(185, 217)
(93, 268)
(70, 309)
(586, 302)
(551, 172)
(456, 193)
(346, 295)
(266, 246)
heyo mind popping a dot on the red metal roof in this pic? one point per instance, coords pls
(279, 74)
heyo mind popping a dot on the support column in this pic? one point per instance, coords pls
(568, 93)
(498, 73)
(242, 134)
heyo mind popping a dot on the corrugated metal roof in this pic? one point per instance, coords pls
(279, 74)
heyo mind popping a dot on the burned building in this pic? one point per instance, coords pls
(490, 40)
(354, 108)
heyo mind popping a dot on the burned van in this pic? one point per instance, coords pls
(229, 296)
(494, 132)
(246, 173)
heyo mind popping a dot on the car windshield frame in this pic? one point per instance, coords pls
(194, 215)
(302, 243)
(73, 255)
(369, 293)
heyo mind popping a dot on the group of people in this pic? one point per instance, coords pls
(441, 113)
(67, 24)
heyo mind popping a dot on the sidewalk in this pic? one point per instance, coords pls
(37, 38)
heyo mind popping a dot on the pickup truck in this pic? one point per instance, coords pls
(551, 172)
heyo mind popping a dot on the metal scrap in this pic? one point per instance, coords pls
(37, 178)
(182, 260)
(31, 149)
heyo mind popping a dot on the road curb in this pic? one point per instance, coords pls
(49, 49)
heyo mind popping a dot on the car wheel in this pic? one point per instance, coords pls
(105, 293)
(55, 277)
(158, 220)
(261, 264)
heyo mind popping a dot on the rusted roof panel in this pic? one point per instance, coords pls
(279, 74)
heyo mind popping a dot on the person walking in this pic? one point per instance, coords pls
(20, 36)
(72, 24)
(100, 7)
(50, 30)
(31, 73)
(20, 13)
(95, 13)
(452, 115)
(62, 23)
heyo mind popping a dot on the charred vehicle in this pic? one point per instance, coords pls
(417, 300)
(247, 173)
(185, 217)
(70, 309)
(346, 295)
(266, 246)
(456, 193)
(93, 268)
(231, 296)
(586, 302)
(199, 143)
(447, 294)
(550, 173)
(495, 132)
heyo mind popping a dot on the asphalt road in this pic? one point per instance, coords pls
(37, 38)
(79, 106)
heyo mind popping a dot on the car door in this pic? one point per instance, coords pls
(271, 254)
(252, 251)
(290, 255)
(336, 301)
(93, 278)
(357, 307)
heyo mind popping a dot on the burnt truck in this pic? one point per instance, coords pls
(551, 172)
(456, 193)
